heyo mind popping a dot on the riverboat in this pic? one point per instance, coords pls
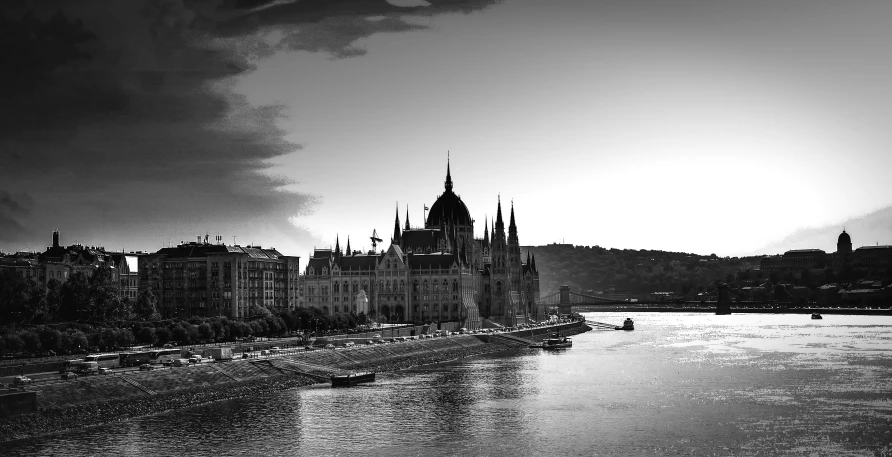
(557, 341)
(816, 316)
(351, 379)
(627, 325)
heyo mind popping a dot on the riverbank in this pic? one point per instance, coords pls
(97, 400)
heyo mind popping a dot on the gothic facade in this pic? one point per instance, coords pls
(438, 272)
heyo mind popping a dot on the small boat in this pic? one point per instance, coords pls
(816, 316)
(351, 379)
(556, 341)
(627, 325)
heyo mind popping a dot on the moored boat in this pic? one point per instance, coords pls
(627, 325)
(351, 379)
(816, 316)
(556, 341)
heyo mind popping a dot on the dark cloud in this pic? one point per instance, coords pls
(119, 118)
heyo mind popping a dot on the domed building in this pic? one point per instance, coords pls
(435, 273)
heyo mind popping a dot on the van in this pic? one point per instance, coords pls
(89, 368)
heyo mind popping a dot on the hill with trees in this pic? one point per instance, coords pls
(594, 268)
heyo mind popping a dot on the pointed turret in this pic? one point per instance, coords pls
(512, 225)
(500, 225)
(485, 232)
(407, 218)
(535, 270)
(349, 252)
(448, 175)
(337, 246)
(396, 228)
(528, 259)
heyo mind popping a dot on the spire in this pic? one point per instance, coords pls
(528, 259)
(485, 231)
(448, 174)
(349, 252)
(512, 225)
(396, 227)
(337, 246)
(407, 218)
(535, 270)
(499, 223)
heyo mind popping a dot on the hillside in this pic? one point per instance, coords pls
(635, 271)
(872, 228)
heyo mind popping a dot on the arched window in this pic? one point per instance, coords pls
(426, 286)
(454, 286)
(415, 286)
(499, 287)
(337, 288)
(436, 286)
(445, 285)
(312, 271)
(445, 307)
(324, 271)
(402, 286)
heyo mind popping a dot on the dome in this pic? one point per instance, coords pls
(844, 238)
(448, 208)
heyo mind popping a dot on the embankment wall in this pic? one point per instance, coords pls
(95, 400)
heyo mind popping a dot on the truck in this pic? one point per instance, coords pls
(220, 354)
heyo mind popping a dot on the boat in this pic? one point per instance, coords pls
(556, 341)
(816, 316)
(351, 379)
(627, 325)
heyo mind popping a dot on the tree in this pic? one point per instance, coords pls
(205, 332)
(50, 338)
(75, 297)
(146, 307)
(146, 335)
(162, 336)
(53, 299)
(104, 298)
(14, 294)
(780, 292)
(31, 340)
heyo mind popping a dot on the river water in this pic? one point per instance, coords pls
(680, 384)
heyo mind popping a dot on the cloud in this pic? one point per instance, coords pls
(131, 128)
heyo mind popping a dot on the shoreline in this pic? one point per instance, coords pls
(58, 419)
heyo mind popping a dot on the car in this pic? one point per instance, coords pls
(195, 359)
(103, 370)
(21, 380)
(349, 344)
(169, 346)
(69, 375)
(146, 367)
(263, 352)
(369, 342)
(329, 346)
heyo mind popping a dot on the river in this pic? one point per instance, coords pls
(680, 384)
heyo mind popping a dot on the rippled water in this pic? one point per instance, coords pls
(681, 384)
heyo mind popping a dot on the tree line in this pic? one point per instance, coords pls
(86, 313)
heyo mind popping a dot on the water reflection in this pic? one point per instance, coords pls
(680, 383)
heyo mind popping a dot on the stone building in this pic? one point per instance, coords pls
(879, 256)
(438, 272)
(203, 279)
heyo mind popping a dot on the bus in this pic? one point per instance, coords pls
(135, 359)
(104, 360)
(166, 355)
(70, 365)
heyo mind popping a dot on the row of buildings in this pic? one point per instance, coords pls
(879, 256)
(436, 272)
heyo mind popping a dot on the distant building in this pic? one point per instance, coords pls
(800, 259)
(438, 272)
(60, 262)
(203, 279)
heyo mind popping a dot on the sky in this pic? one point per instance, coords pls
(696, 126)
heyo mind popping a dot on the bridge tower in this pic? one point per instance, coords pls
(564, 306)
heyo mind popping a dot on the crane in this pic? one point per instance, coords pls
(375, 240)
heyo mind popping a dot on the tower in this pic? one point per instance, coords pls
(396, 239)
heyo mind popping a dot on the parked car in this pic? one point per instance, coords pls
(329, 346)
(21, 380)
(104, 370)
(69, 375)
(195, 359)
(349, 344)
